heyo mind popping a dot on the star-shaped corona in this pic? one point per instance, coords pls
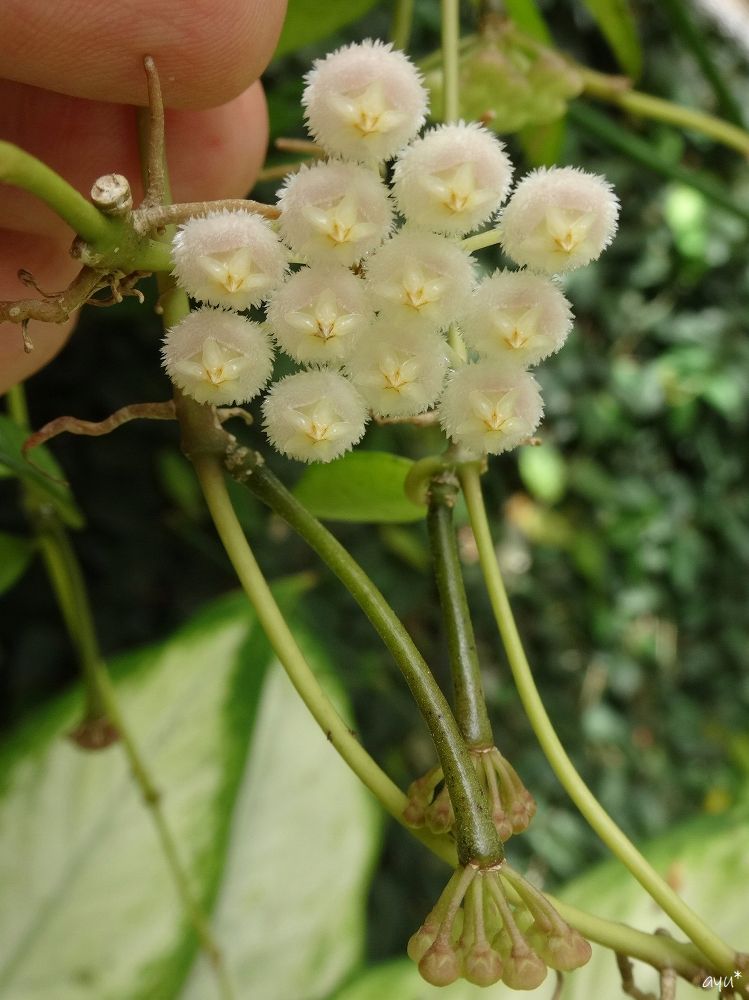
(340, 223)
(368, 112)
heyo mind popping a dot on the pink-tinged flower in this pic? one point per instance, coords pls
(452, 179)
(218, 357)
(558, 219)
(489, 409)
(334, 212)
(317, 316)
(231, 259)
(314, 416)
(364, 101)
(420, 281)
(517, 316)
(399, 372)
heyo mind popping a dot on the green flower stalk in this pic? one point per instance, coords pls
(511, 804)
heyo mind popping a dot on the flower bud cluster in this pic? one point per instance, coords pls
(490, 925)
(512, 805)
(367, 310)
(518, 82)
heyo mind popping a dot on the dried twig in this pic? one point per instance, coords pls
(626, 971)
(72, 425)
(57, 308)
(147, 218)
(156, 180)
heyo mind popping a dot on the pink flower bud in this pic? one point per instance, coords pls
(440, 965)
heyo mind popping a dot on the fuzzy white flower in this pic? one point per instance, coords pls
(218, 357)
(318, 314)
(364, 101)
(420, 281)
(559, 218)
(452, 179)
(399, 372)
(488, 409)
(231, 259)
(334, 212)
(314, 416)
(517, 316)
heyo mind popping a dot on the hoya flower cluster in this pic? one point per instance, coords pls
(490, 925)
(370, 287)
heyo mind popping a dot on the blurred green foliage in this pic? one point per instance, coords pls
(624, 538)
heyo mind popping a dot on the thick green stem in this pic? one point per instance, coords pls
(211, 475)
(470, 706)
(720, 955)
(477, 838)
(615, 90)
(657, 950)
(23, 170)
(450, 64)
(400, 30)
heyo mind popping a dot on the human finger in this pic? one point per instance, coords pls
(207, 51)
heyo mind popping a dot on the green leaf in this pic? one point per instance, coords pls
(15, 556)
(89, 910)
(707, 857)
(617, 23)
(308, 21)
(363, 486)
(44, 476)
(544, 472)
(302, 845)
(401, 980)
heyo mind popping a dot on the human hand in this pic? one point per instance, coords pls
(72, 68)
